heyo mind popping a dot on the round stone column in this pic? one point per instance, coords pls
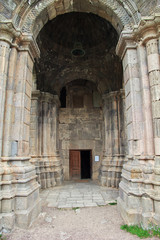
(154, 80)
(57, 162)
(113, 110)
(7, 193)
(4, 60)
(45, 135)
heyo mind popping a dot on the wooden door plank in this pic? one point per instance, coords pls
(75, 164)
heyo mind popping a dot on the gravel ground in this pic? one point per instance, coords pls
(92, 223)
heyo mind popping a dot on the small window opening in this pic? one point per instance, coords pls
(63, 97)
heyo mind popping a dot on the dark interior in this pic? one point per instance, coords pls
(85, 164)
(63, 97)
(78, 45)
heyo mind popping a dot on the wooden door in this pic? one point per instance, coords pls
(75, 164)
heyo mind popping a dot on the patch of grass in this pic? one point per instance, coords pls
(153, 231)
(112, 203)
(75, 208)
(2, 238)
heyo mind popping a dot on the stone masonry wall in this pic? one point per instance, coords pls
(81, 128)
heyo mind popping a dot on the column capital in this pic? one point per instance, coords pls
(111, 95)
(26, 42)
(36, 94)
(8, 32)
(148, 28)
(23, 42)
(47, 97)
(126, 41)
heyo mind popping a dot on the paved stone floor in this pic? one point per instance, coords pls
(78, 194)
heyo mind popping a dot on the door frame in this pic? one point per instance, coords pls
(70, 177)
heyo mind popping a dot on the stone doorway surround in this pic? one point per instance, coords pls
(139, 199)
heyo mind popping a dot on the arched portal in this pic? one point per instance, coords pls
(18, 42)
(75, 47)
(21, 27)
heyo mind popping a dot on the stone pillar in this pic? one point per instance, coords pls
(34, 132)
(129, 201)
(47, 169)
(110, 173)
(8, 200)
(7, 193)
(4, 59)
(21, 202)
(8, 145)
(58, 169)
(45, 124)
(154, 80)
(136, 192)
(146, 99)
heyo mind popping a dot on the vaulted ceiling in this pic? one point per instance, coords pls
(78, 45)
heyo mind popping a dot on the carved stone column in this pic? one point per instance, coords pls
(154, 80)
(4, 59)
(7, 192)
(35, 143)
(44, 135)
(110, 172)
(20, 201)
(8, 199)
(139, 199)
(54, 136)
(129, 201)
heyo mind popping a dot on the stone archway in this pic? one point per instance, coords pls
(139, 201)
(57, 67)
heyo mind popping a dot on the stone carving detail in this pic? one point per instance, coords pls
(44, 139)
(115, 139)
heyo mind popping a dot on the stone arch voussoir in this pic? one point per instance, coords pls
(120, 15)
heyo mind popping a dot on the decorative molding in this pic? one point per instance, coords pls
(148, 28)
(126, 41)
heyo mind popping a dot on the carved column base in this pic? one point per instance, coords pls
(58, 169)
(20, 195)
(156, 198)
(49, 170)
(45, 171)
(139, 192)
(111, 169)
(7, 197)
